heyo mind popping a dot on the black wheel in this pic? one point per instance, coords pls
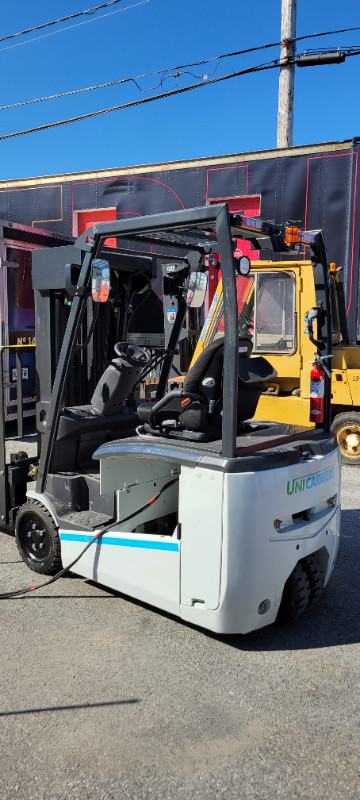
(347, 429)
(37, 538)
(316, 576)
(295, 597)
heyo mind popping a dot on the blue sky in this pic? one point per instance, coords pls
(234, 116)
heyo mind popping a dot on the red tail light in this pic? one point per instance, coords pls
(317, 391)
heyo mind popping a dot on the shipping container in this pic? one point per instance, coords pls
(316, 185)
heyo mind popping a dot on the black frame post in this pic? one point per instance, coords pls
(19, 394)
(322, 294)
(3, 481)
(231, 346)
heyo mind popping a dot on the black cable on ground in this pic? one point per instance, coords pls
(16, 592)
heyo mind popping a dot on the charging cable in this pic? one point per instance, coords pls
(16, 592)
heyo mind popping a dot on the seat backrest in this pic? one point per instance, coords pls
(253, 373)
(210, 363)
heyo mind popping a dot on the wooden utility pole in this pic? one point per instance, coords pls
(287, 74)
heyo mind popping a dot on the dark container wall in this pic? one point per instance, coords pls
(316, 185)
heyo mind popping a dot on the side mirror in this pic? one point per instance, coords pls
(243, 265)
(100, 280)
(196, 292)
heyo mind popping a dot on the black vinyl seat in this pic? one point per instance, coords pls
(81, 431)
(111, 413)
(195, 411)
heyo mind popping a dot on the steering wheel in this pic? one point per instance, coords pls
(134, 355)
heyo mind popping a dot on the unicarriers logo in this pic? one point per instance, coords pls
(301, 484)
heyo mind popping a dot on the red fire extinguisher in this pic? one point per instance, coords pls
(317, 392)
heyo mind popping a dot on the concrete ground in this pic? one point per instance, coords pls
(104, 698)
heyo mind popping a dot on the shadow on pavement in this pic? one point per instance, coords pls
(75, 707)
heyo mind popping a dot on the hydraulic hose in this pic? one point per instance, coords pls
(16, 592)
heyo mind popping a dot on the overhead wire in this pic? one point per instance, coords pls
(173, 72)
(324, 33)
(71, 27)
(349, 51)
(237, 52)
(60, 19)
(141, 101)
(113, 2)
(269, 65)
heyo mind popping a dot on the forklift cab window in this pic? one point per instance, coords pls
(245, 304)
(266, 311)
(274, 317)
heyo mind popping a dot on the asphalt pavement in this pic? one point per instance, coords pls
(104, 698)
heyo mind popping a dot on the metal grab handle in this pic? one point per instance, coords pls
(313, 314)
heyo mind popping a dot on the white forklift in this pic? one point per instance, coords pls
(226, 523)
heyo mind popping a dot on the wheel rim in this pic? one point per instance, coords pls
(34, 538)
(348, 437)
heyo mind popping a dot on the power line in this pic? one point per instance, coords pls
(184, 89)
(269, 65)
(325, 33)
(71, 27)
(173, 72)
(61, 19)
(238, 52)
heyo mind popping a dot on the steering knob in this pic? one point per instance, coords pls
(134, 355)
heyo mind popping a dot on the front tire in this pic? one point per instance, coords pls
(37, 538)
(347, 429)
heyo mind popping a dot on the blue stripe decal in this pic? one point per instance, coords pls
(145, 545)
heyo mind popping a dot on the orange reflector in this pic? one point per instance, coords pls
(186, 401)
(291, 236)
(332, 266)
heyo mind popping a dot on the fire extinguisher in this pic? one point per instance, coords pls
(317, 392)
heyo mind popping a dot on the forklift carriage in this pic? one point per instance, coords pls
(228, 524)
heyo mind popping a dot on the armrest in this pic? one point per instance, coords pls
(167, 399)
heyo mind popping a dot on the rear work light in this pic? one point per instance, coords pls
(291, 236)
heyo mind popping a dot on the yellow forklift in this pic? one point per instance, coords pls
(279, 308)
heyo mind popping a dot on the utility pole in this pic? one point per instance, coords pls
(287, 74)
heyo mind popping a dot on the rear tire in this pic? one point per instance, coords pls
(295, 597)
(315, 573)
(37, 538)
(347, 429)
